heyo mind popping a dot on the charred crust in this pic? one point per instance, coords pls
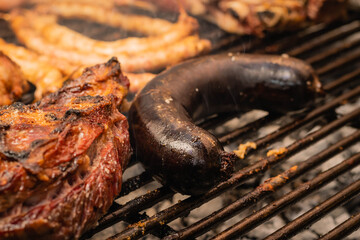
(19, 106)
(57, 130)
(36, 143)
(76, 89)
(29, 96)
(227, 164)
(66, 82)
(4, 127)
(112, 61)
(51, 117)
(75, 112)
(88, 98)
(16, 156)
(114, 65)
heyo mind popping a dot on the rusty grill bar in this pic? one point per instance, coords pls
(344, 229)
(265, 189)
(305, 189)
(320, 210)
(343, 47)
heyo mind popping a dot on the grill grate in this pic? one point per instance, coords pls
(334, 51)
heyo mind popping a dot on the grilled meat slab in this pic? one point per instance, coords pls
(13, 85)
(61, 159)
(258, 16)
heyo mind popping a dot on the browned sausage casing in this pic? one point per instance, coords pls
(187, 157)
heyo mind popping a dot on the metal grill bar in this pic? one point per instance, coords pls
(134, 206)
(149, 224)
(247, 128)
(314, 214)
(348, 43)
(136, 231)
(319, 35)
(326, 38)
(192, 203)
(216, 121)
(135, 183)
(344, 229)
(303, 190)
(342, 80)
(339, 62)
(115, 217)
(287, 42)
(263, 190)
(300, 38)
(310, 116)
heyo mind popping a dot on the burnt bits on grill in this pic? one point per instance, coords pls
(187, 157)
(13, 85)
(61, 159)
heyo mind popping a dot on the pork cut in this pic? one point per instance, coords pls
(61, 159)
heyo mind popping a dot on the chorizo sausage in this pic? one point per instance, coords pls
(186, 157)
